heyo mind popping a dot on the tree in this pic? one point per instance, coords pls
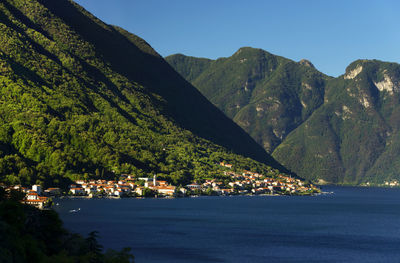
(94, 247)
(147, 192)
(209, 191)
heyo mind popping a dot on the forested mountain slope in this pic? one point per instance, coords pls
(340, 130)
(354, 136)
(80, 98)
(266, 95)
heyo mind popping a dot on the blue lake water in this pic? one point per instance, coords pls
(350, 225)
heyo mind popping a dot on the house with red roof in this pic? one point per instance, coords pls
(32, 198)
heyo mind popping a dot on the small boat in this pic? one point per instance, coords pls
(74, 210)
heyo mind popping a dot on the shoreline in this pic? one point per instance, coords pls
(178, 197)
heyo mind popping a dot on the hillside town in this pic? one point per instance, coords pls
(243, 183)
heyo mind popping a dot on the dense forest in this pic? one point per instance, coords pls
(82, 99)
(341, 130)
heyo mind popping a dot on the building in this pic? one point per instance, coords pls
(77, 191)
(183, 190)
(227, 165)
(118, 192)
(37, 188)
(90, 190)
(32, 198)
(226, 191)
(139, 190)
(165, 190)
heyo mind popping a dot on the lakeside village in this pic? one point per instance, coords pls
(392, 183)
(244, 183)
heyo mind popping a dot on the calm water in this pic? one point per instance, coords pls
(350, 225)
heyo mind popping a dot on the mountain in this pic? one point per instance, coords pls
(354, 136)
(267, 95)
(336, 130)
(83, 99)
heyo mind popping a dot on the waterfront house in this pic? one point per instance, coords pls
(226, 191)
(32, 198)
(77, 191)
(109, 190)
(90, 190)
(32, 195)
(165, 190)
(139, 190)
(148, 184)
(118, 192)
(37, 188)
(162, 183)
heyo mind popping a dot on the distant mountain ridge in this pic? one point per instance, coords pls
(337, 130)
(83, 99)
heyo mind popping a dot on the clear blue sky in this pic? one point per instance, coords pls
(329, 33)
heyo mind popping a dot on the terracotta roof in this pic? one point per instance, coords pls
(41, 199)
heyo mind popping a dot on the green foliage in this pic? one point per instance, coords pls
(342, 130)
(147, 192)
(267, 95)
(80, 99)
(32, 235)
(189, 67)
(353, 137)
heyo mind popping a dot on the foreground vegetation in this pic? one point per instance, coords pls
(32, 235)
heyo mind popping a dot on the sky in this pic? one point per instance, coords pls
(331, 34)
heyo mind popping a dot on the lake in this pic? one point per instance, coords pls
(349, 225)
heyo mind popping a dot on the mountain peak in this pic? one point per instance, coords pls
(244, 49)
(314, 124)
(249, 50)
(307, 63)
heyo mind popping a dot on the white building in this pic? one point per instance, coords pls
(118, 192)
(37, 188)
(165, 190)
(77, 191)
